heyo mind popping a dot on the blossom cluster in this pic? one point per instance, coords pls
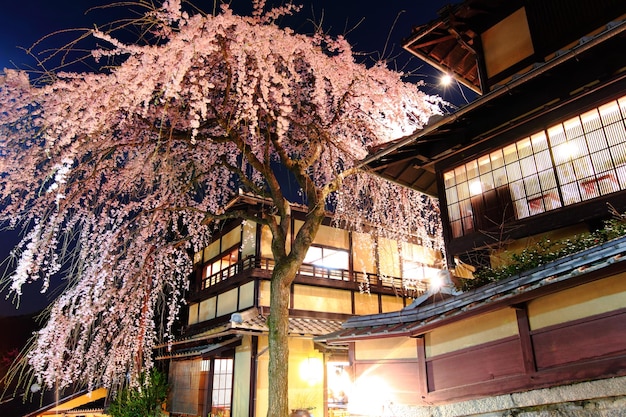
(136, 157)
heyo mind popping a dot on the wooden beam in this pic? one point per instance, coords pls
(526, 344)
(422, 386)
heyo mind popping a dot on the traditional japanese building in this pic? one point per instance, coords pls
(539, 156)
(219, 364)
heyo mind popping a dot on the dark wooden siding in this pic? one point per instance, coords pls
(579, 350)
(477, 364)
(580, 340)
(556, 23)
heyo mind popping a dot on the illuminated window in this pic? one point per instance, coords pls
(222, 386)
(221, 378)
(339, 385)
(220, 268)
(578, 159)
(417, 267)
(327, 257)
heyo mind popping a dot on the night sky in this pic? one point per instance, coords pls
(23, 22)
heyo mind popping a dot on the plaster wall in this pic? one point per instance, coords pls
(306, 376)
(241, 379)
(391, 303)
(307, 297)
(471, 332)
(365, 303)
(385, 349)
(585, 300)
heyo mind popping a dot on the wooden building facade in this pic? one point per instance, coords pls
(219, 364)
(560, 324)
(539, 155)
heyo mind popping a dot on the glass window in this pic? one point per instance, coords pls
(472, 169)
(539, 142)
(578, 159)
(556, 135)
(221, 268)
(222, 388)
(591, 121)
(459, 174)
(339, 385)
(497, 159)
(596, 140)
(417, 267)
(528, 166)
(327, 257)
(513, 171)
(451, 196)
(510, 153)
(499, 176)
(573, 128)
(484, 164)
(524, 148)
(543, 160)
(610, 113)
(448, 178)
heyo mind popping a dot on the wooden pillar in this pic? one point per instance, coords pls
(422, 373)
(526, 344)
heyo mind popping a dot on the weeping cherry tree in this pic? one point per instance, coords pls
(116, 175)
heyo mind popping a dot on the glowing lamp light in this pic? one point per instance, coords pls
(436, 282)
(370, 396)
(312, 370)
(566, 151)
(569, 149)
(439, 280)
(445, 80)
(475, 188)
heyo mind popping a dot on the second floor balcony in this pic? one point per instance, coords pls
(260, 268)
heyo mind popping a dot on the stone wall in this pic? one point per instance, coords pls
(602, 398)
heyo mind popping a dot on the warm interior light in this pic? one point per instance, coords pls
(436, 282)
(565, 151)
(327, 258)
(312, 370)
(339, 384)
(475, 188)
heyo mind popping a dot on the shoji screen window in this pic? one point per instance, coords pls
(578, 159)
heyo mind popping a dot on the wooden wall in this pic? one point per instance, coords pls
(574, 335)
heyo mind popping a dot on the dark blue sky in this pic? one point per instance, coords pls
(23, 22)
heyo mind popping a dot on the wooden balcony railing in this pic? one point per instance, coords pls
(362, 279)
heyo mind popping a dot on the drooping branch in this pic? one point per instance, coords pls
(234, 214)
(149, 152)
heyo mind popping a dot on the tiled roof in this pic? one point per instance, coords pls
(199, 350)
(297, 326)
(250, 322)
(414, 321)
(53, 399)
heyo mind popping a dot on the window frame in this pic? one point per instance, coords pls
(577, 159)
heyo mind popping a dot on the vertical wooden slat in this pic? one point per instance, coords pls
(421, 366)
(526, 344)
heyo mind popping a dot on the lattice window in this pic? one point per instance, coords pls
(578, 159)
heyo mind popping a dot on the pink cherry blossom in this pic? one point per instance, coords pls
(118, 173)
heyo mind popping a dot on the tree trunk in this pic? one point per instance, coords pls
(282, 276)
(285, 270)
